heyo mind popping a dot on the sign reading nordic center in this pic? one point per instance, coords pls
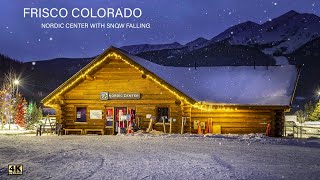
(118, 96)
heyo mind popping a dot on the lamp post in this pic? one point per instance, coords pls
(16, 82)
(13, 99)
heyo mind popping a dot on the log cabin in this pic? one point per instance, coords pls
(227, 99)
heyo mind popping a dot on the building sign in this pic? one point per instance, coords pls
(118, 96)
(95, 114)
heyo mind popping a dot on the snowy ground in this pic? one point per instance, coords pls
(160, 157)
(15, 132)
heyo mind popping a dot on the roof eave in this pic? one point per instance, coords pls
(59, 88)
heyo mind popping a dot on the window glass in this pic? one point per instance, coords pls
(163, 112)
(81, 114)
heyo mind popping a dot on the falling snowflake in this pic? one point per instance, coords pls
(50, 38)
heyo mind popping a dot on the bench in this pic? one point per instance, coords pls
(94, 130)
(48, 124)
(46, 128)
(66, 131)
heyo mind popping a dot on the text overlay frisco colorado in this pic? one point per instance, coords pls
(82, 13)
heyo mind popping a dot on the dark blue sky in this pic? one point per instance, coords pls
(171, 21)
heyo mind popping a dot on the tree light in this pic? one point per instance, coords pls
(16, 82)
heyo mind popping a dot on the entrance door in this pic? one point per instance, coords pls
(110, 120)
(119, 111)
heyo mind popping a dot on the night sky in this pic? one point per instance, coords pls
(171, 21)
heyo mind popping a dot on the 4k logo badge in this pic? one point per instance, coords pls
(15, 169)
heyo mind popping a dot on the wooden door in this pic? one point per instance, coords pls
(119, 111)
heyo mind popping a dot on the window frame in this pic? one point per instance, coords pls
(76, 108)
(157, 114)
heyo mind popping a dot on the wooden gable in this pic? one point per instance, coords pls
(118, 76)
(115, 60)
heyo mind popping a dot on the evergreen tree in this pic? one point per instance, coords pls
(315, 115)
(39, 113)
(7, 106)
(309, 109)
(8, 99)
(300, 116)
(28, 118)
(2, 114)
(33, 115)
(20, 114)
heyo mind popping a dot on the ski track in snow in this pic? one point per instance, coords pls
(160, 157)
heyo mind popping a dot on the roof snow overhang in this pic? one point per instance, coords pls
(56, 96)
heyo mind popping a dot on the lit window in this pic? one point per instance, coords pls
(81, 114)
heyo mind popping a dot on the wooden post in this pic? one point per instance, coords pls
(190, 119)
(164, 125)
(182, 125)
(277, 122)
(127, 125)
(150, 126)
(170, 130)
(210, 125)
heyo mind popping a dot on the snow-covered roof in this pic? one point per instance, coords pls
(245, 85)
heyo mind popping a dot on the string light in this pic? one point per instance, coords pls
(203, 106)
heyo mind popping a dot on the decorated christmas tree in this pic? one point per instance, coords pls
(9, 99)
(315, 116)
(33, 115)
(7, 106)
(20, 113)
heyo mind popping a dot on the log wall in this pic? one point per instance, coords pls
(240, 121)
(121, 78)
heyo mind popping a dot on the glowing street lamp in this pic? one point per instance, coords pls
(16, 82)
